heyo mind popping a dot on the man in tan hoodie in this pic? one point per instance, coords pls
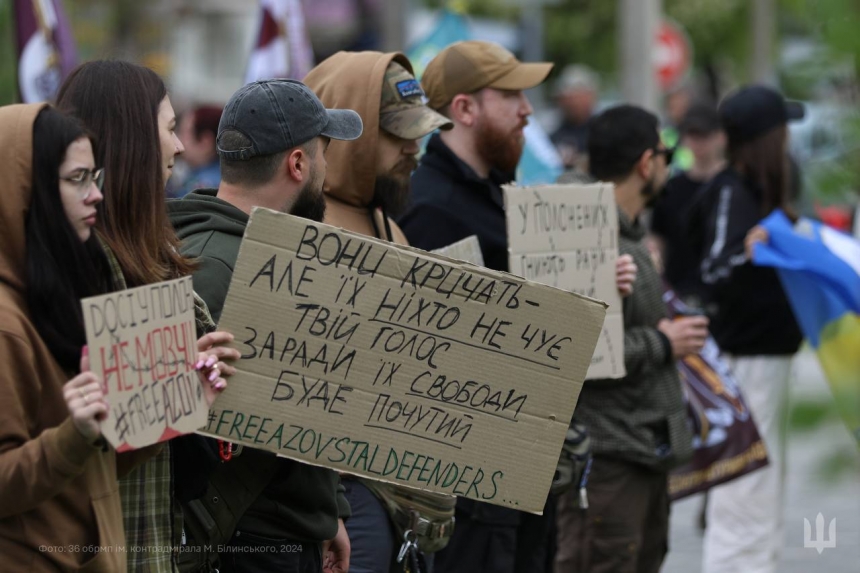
(366, 183)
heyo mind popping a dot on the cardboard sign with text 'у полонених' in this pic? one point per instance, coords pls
(566, 236)
(143, 344)
(399, 365)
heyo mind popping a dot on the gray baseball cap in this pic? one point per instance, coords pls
(277, 115)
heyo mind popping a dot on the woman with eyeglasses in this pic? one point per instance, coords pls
(127, 108)
(59, 494)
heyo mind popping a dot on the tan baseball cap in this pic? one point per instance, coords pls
(402, 110)
(466, 67)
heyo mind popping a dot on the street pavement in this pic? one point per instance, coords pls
(808, 492)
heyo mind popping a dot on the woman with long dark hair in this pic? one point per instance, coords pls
(127, 107)
(750, 318)
(59, 495)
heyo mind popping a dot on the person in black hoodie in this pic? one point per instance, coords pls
(751, 319)
(271, 141)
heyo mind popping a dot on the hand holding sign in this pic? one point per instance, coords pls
(86, 401)
(210, 366)
(625, 274)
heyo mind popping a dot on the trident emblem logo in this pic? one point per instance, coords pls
(819, 543)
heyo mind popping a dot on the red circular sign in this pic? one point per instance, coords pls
(673, 54)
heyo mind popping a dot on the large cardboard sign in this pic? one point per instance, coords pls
(400, 365)
(566, 236)
(143, 344)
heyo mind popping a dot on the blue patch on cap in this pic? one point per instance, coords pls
(409, 88)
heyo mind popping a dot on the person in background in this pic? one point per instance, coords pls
(637, 424)
(272, 143)
(576, 96)
(368, 182)
(751, 320)
(127, 107)
(58, 477)
(676, 103)
(198, 128)
(701, 133)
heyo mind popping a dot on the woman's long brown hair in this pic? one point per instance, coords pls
(764, 162)
(118, 102)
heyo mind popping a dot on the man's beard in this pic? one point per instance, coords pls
(391, 191)
(651, 193)
(498, 148)
(310, 202)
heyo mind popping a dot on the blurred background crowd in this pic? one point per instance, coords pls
(700, 49)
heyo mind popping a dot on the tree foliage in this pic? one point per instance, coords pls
(8, 67)
(584, 31)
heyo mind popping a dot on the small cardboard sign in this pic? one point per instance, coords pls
(399, 365)
(469, 250)
(566, 236)
(143, 345)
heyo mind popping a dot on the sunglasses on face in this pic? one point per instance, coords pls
(668, 152)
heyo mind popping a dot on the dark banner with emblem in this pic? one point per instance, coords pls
(726, 441)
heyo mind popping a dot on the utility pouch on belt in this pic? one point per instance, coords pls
(573, 461)
(430, 516)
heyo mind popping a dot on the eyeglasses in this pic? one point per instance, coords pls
(667, 151)
(83, 180)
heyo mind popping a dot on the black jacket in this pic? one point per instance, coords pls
(750, 314)
(450, 202)
(668, 221)
(302, 502)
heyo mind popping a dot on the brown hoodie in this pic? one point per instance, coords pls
(59, 498)
(353, 80)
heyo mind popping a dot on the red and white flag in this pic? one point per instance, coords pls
(46, 48)
(283, 49)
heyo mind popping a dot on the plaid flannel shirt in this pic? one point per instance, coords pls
(153, 525)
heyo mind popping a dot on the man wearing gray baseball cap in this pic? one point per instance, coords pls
(271, 142)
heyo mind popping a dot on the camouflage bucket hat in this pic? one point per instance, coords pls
(402, 111)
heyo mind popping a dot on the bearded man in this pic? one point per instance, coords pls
(367, 183)
(456, 192)
(272, 142)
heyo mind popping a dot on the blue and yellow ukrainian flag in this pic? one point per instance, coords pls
(820, 271)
